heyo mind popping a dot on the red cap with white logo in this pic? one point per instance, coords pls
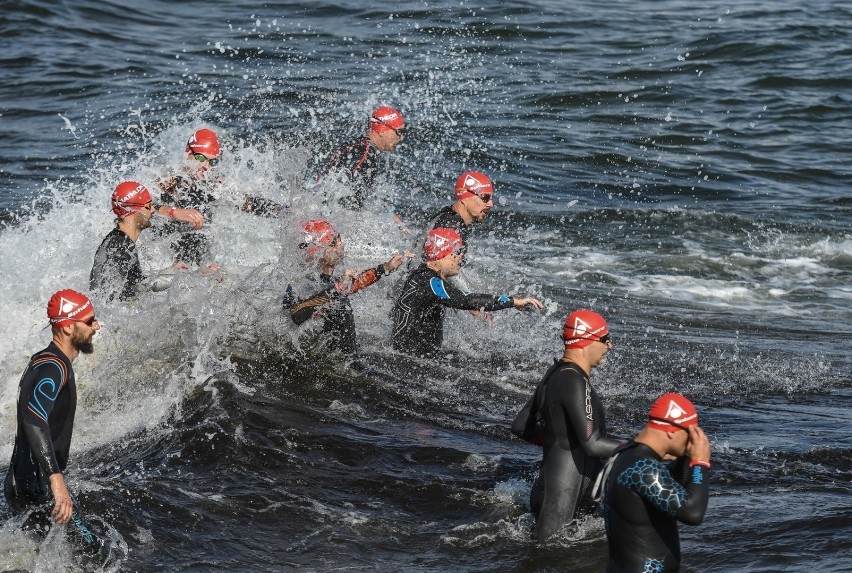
(385, 118)
(128, 198)
(318, 234)
(205, 142)
(472, 183)
(441, 242)
(672, 412)
(582, 327)
(67, 306)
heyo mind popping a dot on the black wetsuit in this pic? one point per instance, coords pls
(47, 401)
(574, 443)
(361, 163)
(447, 218)
(193, 245)
(331, 304)
(418, 315)
(643, 499)
(116, 272)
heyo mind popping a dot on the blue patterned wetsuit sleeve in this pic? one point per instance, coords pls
(40, 398)
(452, 297)
(653, 482)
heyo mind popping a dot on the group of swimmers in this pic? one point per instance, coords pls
(564, 415)
(640, 495)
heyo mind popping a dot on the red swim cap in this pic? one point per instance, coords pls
(670, 411)
(65, 306)
(318, 234)
(582, 327)
(472, 183)
(204, 141)
(128, 198)
(385, 118)
(441, 242)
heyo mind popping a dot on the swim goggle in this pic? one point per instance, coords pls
(213, 161)
(669, 423)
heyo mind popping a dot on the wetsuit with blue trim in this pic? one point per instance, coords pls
(643, 499)
(418, 315)
(574, 444)
(47, 402)
(331, 304)
(116, 271)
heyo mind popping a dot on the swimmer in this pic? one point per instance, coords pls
(195, 190)
(360, 160)
(644, 497)
(47, 401)
(574, 426)
(116, 271)
(418, 315)
(323, 246)
(474, 199)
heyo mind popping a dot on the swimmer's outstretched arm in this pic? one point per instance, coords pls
(303, 310)
(191, 216)
(449, 295)
(365, 278)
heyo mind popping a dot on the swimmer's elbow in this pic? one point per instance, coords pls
(692, 515)
(692, 520)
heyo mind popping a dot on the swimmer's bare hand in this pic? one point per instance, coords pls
(487, 315)
(63, 506)
(521, 303)
(180, 266)
(698, 448)
(191, 216)
(213, 270)
(394, 262)
(345, 282)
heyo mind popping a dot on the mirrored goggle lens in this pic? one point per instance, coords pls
(213, 161)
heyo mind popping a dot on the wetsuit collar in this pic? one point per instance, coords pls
(646, 449)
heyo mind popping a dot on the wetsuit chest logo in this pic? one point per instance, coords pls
(589, 415)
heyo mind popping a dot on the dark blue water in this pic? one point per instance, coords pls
(683, 170)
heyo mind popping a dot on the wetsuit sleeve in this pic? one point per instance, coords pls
(657, 485)
(448, 295)
(40, 397)
(366, 278)
(574, 396)
(301, 311)
(697, 495)
(261, 207)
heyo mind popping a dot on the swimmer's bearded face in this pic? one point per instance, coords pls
(82, 340)
(143, 218)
